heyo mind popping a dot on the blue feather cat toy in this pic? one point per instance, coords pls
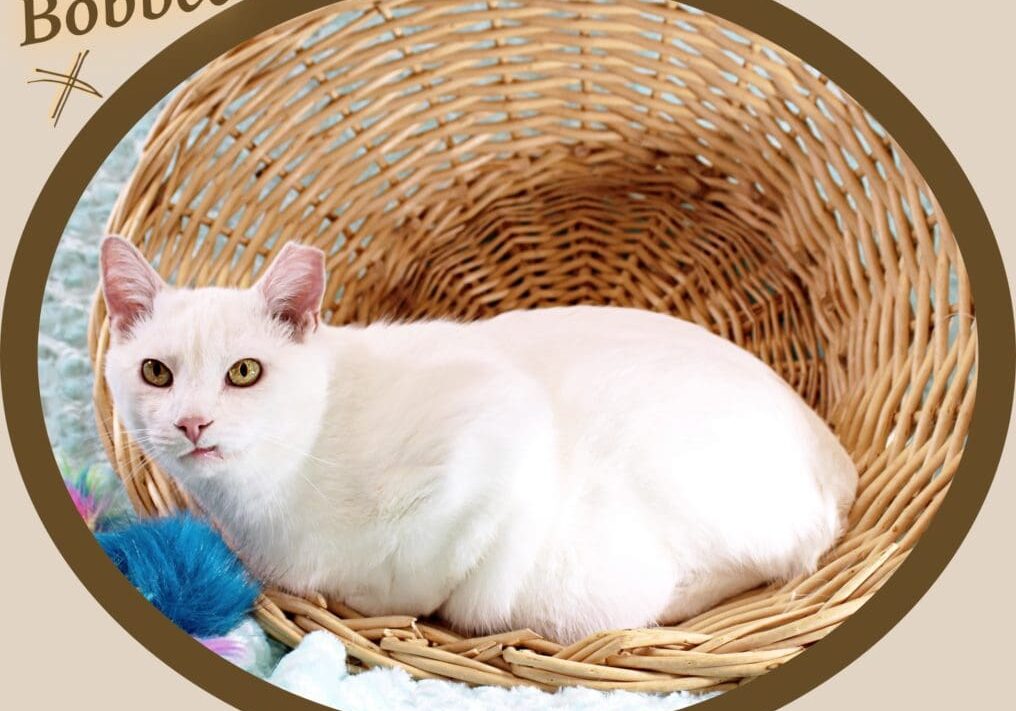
(180, 564)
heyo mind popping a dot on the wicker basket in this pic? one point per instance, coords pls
(462, 158)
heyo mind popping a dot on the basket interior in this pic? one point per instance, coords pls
(463, 159)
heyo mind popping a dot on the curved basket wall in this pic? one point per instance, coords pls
(458, 158)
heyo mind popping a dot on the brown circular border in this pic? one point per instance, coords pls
(52, 210)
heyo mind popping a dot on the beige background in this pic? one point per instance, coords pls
(954, 649)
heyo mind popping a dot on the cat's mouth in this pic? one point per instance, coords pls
(203, 453)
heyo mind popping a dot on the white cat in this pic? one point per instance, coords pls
(565, 469)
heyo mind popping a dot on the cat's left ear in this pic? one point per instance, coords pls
(293, 287)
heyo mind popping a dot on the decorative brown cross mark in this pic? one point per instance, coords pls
(68, 82)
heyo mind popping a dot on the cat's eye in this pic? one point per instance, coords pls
(244, 373)
(156, 373)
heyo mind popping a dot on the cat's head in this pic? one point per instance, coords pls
(216, 383)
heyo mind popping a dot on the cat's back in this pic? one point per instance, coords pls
(621, 345)
(572, 336)
(630, 364)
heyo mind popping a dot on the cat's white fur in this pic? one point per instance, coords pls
(564, 469)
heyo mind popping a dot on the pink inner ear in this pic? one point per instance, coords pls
(294, 285)
(129, 284)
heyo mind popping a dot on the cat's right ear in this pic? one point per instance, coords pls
(129, 284)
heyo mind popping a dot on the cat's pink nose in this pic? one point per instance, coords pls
(192, 427)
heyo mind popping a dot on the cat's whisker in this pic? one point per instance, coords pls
(307, 479)
(143, 440)
(315, 488)
(297, 450)
(134, 472)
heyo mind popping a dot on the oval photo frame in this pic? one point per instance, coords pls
(50, 214)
